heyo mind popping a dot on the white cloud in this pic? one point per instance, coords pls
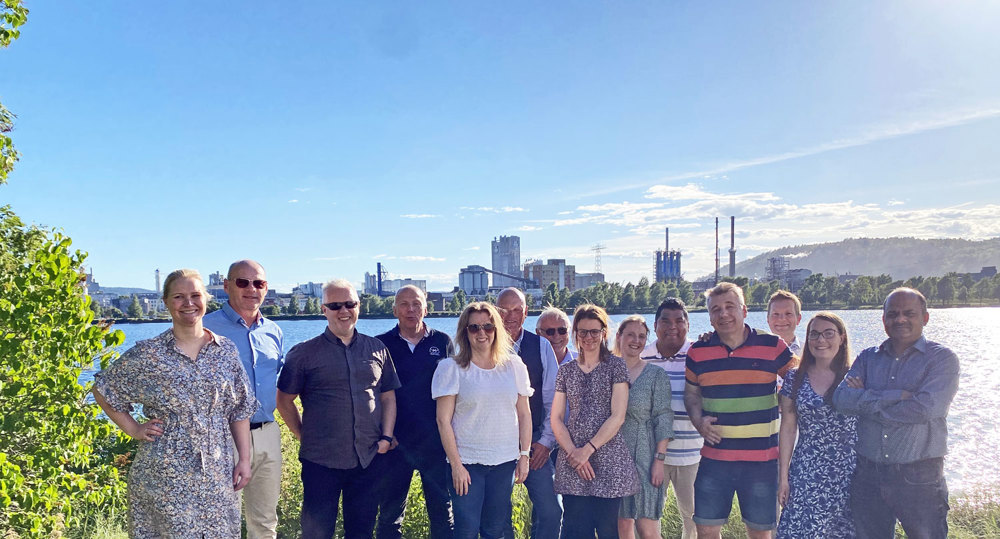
(473, 248)
(419, 215)
(894, 202)
(528, 228)
(293, 201)
(493, 209)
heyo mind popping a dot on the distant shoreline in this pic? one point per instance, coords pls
(536, 312)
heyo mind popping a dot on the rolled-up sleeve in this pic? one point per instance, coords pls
(119, 384)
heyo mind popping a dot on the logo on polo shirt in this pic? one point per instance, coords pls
(435, 351)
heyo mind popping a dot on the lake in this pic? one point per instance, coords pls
(974, 436)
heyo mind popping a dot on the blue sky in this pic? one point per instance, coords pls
(320, 138)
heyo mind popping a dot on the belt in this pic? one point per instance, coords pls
(898, 467)
(254, 426)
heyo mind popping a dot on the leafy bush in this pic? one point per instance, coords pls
(50, 474)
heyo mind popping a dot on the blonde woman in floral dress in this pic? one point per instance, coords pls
(192, 387)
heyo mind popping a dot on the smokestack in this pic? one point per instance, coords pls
(666, 247)
(732, 246)
(717, 250)
(157, 281)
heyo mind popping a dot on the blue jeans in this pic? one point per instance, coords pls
(915, 493)
(486, 508)
(754, 483)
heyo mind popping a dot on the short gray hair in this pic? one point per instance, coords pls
(551, 311)
(413, 288)
(338, 283)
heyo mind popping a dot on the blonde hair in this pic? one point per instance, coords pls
(502, 347)
(632, 319)
(589, 311)
(785, 294)
(182, 274)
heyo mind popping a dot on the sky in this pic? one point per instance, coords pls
(320, 138)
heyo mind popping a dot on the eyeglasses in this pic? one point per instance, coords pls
(552, 331)
(827, 334)
(259, 284)
(584, 333)
(336, 305)
(476, 328)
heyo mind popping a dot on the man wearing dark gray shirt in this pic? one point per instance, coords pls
(901, 391)
(347, 384)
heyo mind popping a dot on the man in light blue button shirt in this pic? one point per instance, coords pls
(259, 343)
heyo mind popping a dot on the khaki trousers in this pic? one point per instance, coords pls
(260, 496)
(682, 478)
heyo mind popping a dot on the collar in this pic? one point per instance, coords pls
(235, 317)
(887, 349)
(396, 331)
(335, 340)
(169, 338)
(715, 340)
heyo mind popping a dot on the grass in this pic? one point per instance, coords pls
(973, 515)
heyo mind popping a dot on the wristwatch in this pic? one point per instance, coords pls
(386, 438)
(661, 456)
(525, 453)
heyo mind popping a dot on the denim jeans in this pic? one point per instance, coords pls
(321, 489)
(589, 515)
(755, 485)
(546, 513)
(485, 508)
(397, 473)
(915, 493)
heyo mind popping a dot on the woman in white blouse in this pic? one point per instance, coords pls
(484, 420)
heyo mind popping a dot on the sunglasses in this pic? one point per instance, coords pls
(336, 305)
(552, 331)
(476, 328)
(259, 284)
(594, 333)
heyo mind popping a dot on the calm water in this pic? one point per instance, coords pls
(972, 333)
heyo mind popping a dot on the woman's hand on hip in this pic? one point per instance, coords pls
(148, 431)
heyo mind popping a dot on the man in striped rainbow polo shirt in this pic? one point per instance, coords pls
(730, 398)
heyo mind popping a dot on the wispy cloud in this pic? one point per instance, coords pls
(293, 201)
(528, 228)
(494, 209)
(867, 136)
(894, 202)
(473, 248)
(419, 215)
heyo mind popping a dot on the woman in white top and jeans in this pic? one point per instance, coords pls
(484, 420)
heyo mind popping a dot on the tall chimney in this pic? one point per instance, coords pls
(716, 250)
(666, 247)
(732, 246)
(157, 282)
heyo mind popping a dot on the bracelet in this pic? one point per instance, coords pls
(592, 445)
(386, 438)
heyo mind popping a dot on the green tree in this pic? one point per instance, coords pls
(212, 306)
(51, 473)
(312, 306)
(135, 308)
(96, 308)
(293, 305)
(947, 287)
(928, 287)
(685, 291)
(642, 294)
(529, 302)
(551, 294)
(982, 289)
(270, 310)
(458, 302)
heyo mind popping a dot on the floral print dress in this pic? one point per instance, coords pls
(819, 475)
(181, 485)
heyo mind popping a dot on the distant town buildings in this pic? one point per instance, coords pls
(555, 271)
(390, 286)
(507, 260)
(586, 280)
(473, 280)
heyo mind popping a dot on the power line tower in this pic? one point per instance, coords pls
(597, 248)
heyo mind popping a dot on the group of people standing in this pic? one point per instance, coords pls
(595, 434)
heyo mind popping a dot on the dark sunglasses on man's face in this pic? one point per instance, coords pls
(552, 331)
(259, 284)
(336, 305)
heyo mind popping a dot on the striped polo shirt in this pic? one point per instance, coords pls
(738, 387)
(685, 448)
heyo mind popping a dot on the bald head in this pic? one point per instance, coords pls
(245, 263)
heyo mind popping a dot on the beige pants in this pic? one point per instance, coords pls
(260, 496)
(682, 478)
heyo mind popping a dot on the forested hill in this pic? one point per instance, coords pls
(901, 258)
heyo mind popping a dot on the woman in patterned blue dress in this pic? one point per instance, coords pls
(815, 480)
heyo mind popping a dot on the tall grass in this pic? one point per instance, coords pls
(973, 515)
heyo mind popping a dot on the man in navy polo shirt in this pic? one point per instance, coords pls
(416, 350)
(259, 343)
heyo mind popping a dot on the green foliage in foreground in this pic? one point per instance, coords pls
(52, 470)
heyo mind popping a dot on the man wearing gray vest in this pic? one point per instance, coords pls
(538, 356)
